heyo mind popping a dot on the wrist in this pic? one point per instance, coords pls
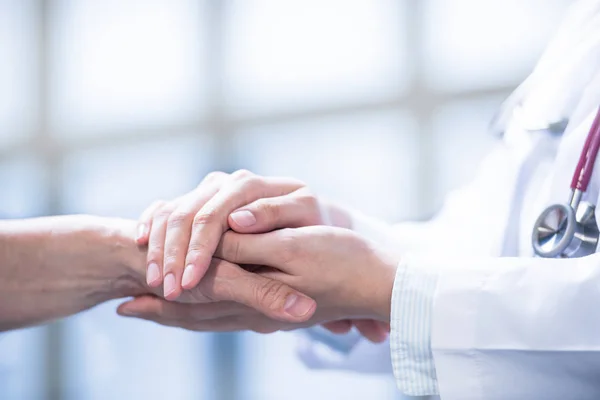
(382, 283)
(128, 272)
(57, 266)
(367, 291)
(105, 256)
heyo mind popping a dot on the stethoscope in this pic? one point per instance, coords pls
(570, 230)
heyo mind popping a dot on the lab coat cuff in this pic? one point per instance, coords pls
(410, 338)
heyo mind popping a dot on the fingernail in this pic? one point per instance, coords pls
(153, 273)
(243, 218)
(129, 313)
(188, 274)
(142, 230)
(297, 306)
(169, 286)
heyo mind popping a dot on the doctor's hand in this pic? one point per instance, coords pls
(346, 275)
(228, 283)
(228, 316)
(183, 234)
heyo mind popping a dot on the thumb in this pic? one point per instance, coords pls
(271, 297)
(268, 214)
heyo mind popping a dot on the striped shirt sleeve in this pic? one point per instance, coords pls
(410, 338)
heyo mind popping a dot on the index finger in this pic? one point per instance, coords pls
(177, 237)
(145, 222)
(277, 249)
(212, 220)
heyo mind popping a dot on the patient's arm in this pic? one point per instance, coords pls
(57, 266)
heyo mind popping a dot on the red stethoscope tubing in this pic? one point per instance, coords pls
(587, 159)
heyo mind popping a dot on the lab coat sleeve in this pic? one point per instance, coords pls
(515, 328)
(462, 207)
(467, 207)
(319, 349)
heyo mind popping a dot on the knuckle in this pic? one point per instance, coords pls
(213, 176)
(251, 183)
(271, 294)
(178, 219)
(312, 208)
(221, 282)
(219, 292)
(271, 211)
(229, 247)
(198, 251)
(290, 248)
(155, 207)
(308, 199)
(204, 218)
(233, 250)
(163, 213)
(194, 253)
(241, 173)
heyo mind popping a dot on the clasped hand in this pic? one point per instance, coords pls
(263, 246)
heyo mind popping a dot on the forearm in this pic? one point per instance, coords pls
(57, 266)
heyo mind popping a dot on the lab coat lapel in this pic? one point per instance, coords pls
(572, 145)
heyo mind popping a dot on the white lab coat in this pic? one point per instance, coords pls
(507, 325)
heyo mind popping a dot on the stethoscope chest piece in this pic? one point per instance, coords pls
(560, 232)
(570, 230)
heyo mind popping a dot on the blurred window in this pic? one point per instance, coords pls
(126, 65)
(17, 70)
(297, 54)
(362, 160)
(472, 44)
